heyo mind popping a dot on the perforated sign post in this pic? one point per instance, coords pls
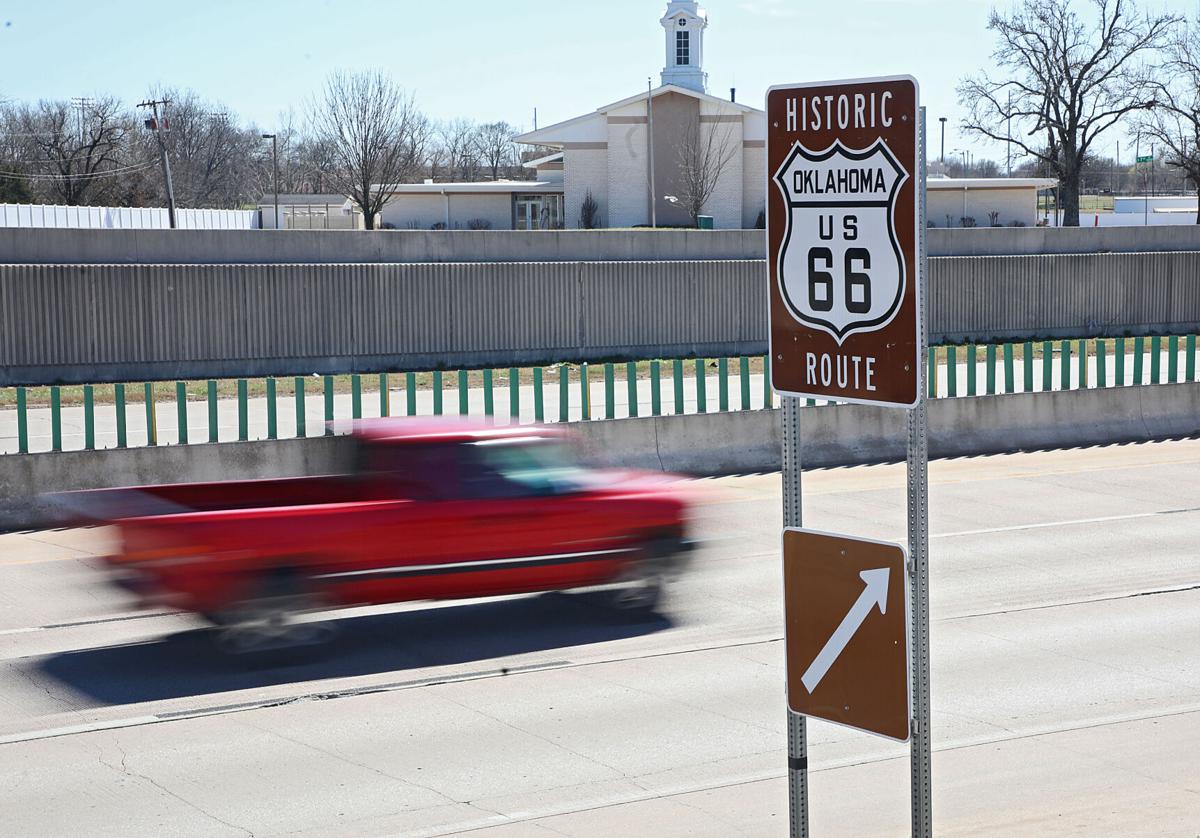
(845, 197)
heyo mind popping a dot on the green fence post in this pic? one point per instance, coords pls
(1047, 366)
(585, 392)
(701, 386)
(610, 410)
(744, 379)
(437, 393)
(89, 418)
(514, 394)
(1119, 362)
(356, 396)
(564, 392)
(930, 374)
(463, 404)
(55, 418)
(723, 384)
(1139, 349)
(768, 396)
(1173, 359)
(1156, 360)
(298, 395)
(677, 370)
(539, 397)
(1009, 372)
(328, 405)
(951, 371)
(119, 399)
(655, 388)
(972, 360)
(631, 387)
(181, 411)
(1084, 379)
(22, 422)
(410, 394)
(151, 414)
(1190, 361)
(1027, 367)
(272, 411)
(489, 395)
(385, 394)
(212, 411)
(243, 410)
(1064, 365)
(989, 361)
(1101, 364)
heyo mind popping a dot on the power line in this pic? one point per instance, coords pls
(81, 176)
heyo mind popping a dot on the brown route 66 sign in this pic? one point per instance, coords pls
(843, 185)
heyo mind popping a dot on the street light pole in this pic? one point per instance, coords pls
(942, 120)
(275, 167)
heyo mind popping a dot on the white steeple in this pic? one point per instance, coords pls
(684, 25)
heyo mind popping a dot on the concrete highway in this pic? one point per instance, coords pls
(1066, 684)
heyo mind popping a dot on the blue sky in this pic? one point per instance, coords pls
(484, 60)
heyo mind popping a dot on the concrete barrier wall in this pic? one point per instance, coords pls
(200, 247)
(99, 323)
(705, 444)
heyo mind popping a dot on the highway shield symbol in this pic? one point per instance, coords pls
(840, 267)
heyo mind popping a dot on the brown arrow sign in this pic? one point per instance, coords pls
(846, 631)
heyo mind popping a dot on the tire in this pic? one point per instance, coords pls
(271, 619)
(640, 587)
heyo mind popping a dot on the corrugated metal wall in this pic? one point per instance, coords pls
(95, 323)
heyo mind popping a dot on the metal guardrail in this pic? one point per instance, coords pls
(112, 323)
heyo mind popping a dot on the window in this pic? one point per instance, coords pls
(682, 49)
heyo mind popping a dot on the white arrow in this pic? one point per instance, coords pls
(875, 593)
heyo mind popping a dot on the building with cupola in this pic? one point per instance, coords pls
(624, 164)
(632, 156)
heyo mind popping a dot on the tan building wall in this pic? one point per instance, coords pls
(628, 183)
(947, 207)
(421, 211)
(754, 180)
(586, 169)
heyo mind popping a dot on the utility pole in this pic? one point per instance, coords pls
(274, 138)
(650, 151)
(1008, 144)
(81, 105)
(158, 125)
(1116, 172)
(942, 120)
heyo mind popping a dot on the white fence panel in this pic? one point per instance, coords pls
(124, 218)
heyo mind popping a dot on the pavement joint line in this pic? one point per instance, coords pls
(1072, 522)
(834, 765)
(1178, 589)
(96, 622)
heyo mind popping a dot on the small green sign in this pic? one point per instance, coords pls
(1149, 158)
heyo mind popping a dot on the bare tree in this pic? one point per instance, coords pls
(1064, 82)
(456, 142)
(703, 156)
(494, 145)
(1175, 120)
(376, 136)
(71, 153)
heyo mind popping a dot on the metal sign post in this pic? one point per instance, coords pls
(921, 759)
(797, 734)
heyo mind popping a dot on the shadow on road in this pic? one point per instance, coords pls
(189, 663)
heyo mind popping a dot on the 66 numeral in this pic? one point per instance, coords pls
(856, 263)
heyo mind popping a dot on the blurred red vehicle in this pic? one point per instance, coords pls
(432, 509)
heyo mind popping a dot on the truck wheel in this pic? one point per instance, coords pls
(272, 619)
(639, 589)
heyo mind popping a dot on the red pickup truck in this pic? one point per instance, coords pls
(431, 509)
